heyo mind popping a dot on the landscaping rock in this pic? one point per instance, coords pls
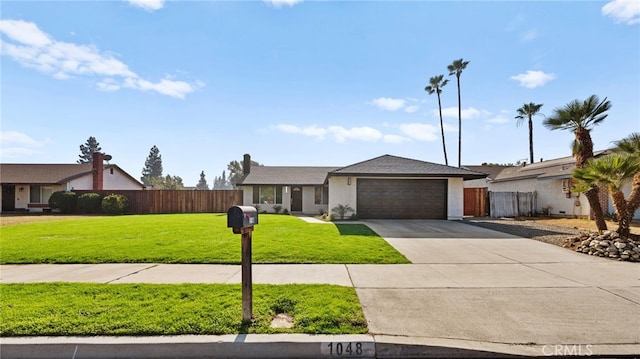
(609, 244)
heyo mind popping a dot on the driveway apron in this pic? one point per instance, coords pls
(470, 283)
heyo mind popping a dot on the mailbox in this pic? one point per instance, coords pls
(242, 216)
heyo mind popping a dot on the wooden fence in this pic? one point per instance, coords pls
(512, 204)
(475, 202)
(178, 201)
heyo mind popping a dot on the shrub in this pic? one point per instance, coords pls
(277, 208)
(342, 210)
(115, 204)
(285, 211)
(354, 217)
(63, 201)
(90, 203)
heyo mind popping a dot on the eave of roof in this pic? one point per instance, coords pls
(394, 166)
(286, 175)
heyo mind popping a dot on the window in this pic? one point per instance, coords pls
(321, 195)
(34, 194)
(39, 194)
(267, 194)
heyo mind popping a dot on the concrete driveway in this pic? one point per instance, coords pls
(475, 285)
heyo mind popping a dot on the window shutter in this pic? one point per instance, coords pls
(256, 194)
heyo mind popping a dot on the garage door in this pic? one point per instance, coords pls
(402, 199)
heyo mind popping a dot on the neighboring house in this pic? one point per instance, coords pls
(551, 181)
(29, 186)
(491, 170)
(382, 187)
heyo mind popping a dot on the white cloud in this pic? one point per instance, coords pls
(311, 131)
(149, 5)
(35, 49)
(16, 144)
(389, 104)
(499, 119)
(365, 133)
(108, 84)
(623, 11)
(411, 109)
(166, 86)
(467, 113)
(394, 139)
(529, 35)
(25, 32)
(281, 3)
(533, 79)
(420, 131)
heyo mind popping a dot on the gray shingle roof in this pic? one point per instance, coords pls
(41, 173)
(388, 165)
(557, 168)
(47, 173)
(275, 175)
(492, 171)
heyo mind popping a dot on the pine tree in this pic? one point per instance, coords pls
(87, 150)
(236, 171)
(173, 182)
(202, 184)
(152, 167)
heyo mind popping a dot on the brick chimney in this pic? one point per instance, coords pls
(246, 165)
(98, 171)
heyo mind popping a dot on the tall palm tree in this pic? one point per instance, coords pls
(631, 147)
(528, 111)
(436, 84)
(611, 171)
(456, 68)
(580, 117)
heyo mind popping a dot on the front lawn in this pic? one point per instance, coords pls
(80, 309)
(190, 238)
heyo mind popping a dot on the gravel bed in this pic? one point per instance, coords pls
(533, 229)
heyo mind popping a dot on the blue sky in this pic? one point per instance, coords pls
(306, 82)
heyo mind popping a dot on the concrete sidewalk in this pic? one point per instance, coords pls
(470, 292)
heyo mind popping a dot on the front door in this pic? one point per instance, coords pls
(8, 197)
(296, 199)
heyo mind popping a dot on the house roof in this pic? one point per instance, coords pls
(388, 165)
(558, 168)
(48, 173)
(283, 175)
(492, 171)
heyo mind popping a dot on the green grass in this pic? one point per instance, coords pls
(80, 309)
(190, 238)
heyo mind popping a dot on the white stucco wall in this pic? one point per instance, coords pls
(626, 189)
(340, 192)
(115, 181)
(118, 180)
(308, 200)
(549, 195)
(455, 199)
(476, 183)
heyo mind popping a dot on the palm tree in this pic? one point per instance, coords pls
(580, 117)
(611, 171)
(456, 68)
(435, 85)
(528, 111)
(631, 147)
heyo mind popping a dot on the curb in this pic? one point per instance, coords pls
(191, 346)
(291, 346)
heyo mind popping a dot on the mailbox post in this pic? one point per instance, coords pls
(242, 219)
